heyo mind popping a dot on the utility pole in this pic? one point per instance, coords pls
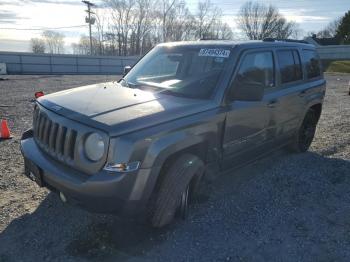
(90, 20)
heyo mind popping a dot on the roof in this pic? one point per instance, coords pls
(230, 43)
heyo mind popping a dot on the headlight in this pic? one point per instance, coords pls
(94, 147)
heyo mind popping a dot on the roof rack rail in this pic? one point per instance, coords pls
(207, 39)
(285, 40)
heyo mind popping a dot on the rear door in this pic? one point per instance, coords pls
(247, 122)
(287, 106)
(315, 84)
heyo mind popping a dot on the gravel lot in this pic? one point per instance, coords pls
(286, 207)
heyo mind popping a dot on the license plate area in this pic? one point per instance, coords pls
(33, 172)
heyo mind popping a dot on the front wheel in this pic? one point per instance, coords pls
(175, 189)
(306, 133)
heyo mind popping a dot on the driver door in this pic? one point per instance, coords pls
(247, 122)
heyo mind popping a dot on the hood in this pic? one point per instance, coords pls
(116, 109)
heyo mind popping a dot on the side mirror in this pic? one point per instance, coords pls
(247, 91)
(127, 69)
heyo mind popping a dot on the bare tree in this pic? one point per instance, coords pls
(330, 30)
(54, 41)
(138, 24)
(220, 31)
(100, 24)
(83, 47)
(298, 33)
(180, 23)
(122, 22)
(135, 26)
(142, 16)
(110, 43)
(37, 45)
(226, 32)
(284, 29)
(167, 6)
(207, 16)
(155, 34)
(259, 21)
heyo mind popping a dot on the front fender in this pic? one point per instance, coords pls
(153, 146)
(161, 149)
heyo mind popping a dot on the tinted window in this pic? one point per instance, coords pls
(290, 66)
(298, 68)
(257, 67)
(312, 64)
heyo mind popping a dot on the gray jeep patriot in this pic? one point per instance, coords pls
(141, 146)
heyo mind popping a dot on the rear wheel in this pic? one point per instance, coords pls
(175, 189)
(306, 133)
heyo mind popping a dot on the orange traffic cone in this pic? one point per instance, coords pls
(4, 130)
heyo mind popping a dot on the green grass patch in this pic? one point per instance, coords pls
(337, 66)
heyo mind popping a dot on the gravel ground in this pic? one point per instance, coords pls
(287, 207)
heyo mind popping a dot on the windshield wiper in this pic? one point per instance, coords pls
(124, 83)
(173, 93)
(129, 84)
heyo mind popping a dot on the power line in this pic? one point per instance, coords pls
(42, 28)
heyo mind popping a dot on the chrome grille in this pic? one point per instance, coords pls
(56, 139)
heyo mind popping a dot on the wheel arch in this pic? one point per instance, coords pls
(197, 146)
(317, 108)
(198, 150)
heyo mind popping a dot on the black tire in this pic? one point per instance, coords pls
(173, 187)
(306, 133)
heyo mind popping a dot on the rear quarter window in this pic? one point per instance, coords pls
(312, 64)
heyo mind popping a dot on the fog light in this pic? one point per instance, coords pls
(122, 167)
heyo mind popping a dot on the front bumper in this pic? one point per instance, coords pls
(103, 192)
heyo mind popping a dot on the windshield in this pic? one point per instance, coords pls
(183, 71)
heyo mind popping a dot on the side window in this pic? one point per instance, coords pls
(290, 66)
(298, 68)
(312, 64)
(257, 68)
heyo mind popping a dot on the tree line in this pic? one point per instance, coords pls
(132, 27)
(339, 29)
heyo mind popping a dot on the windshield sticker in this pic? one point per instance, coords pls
(214, 52)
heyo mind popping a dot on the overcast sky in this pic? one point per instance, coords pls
(311, 15)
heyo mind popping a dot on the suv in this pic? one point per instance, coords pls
(142, 145)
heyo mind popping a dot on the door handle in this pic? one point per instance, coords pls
(272, 103)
